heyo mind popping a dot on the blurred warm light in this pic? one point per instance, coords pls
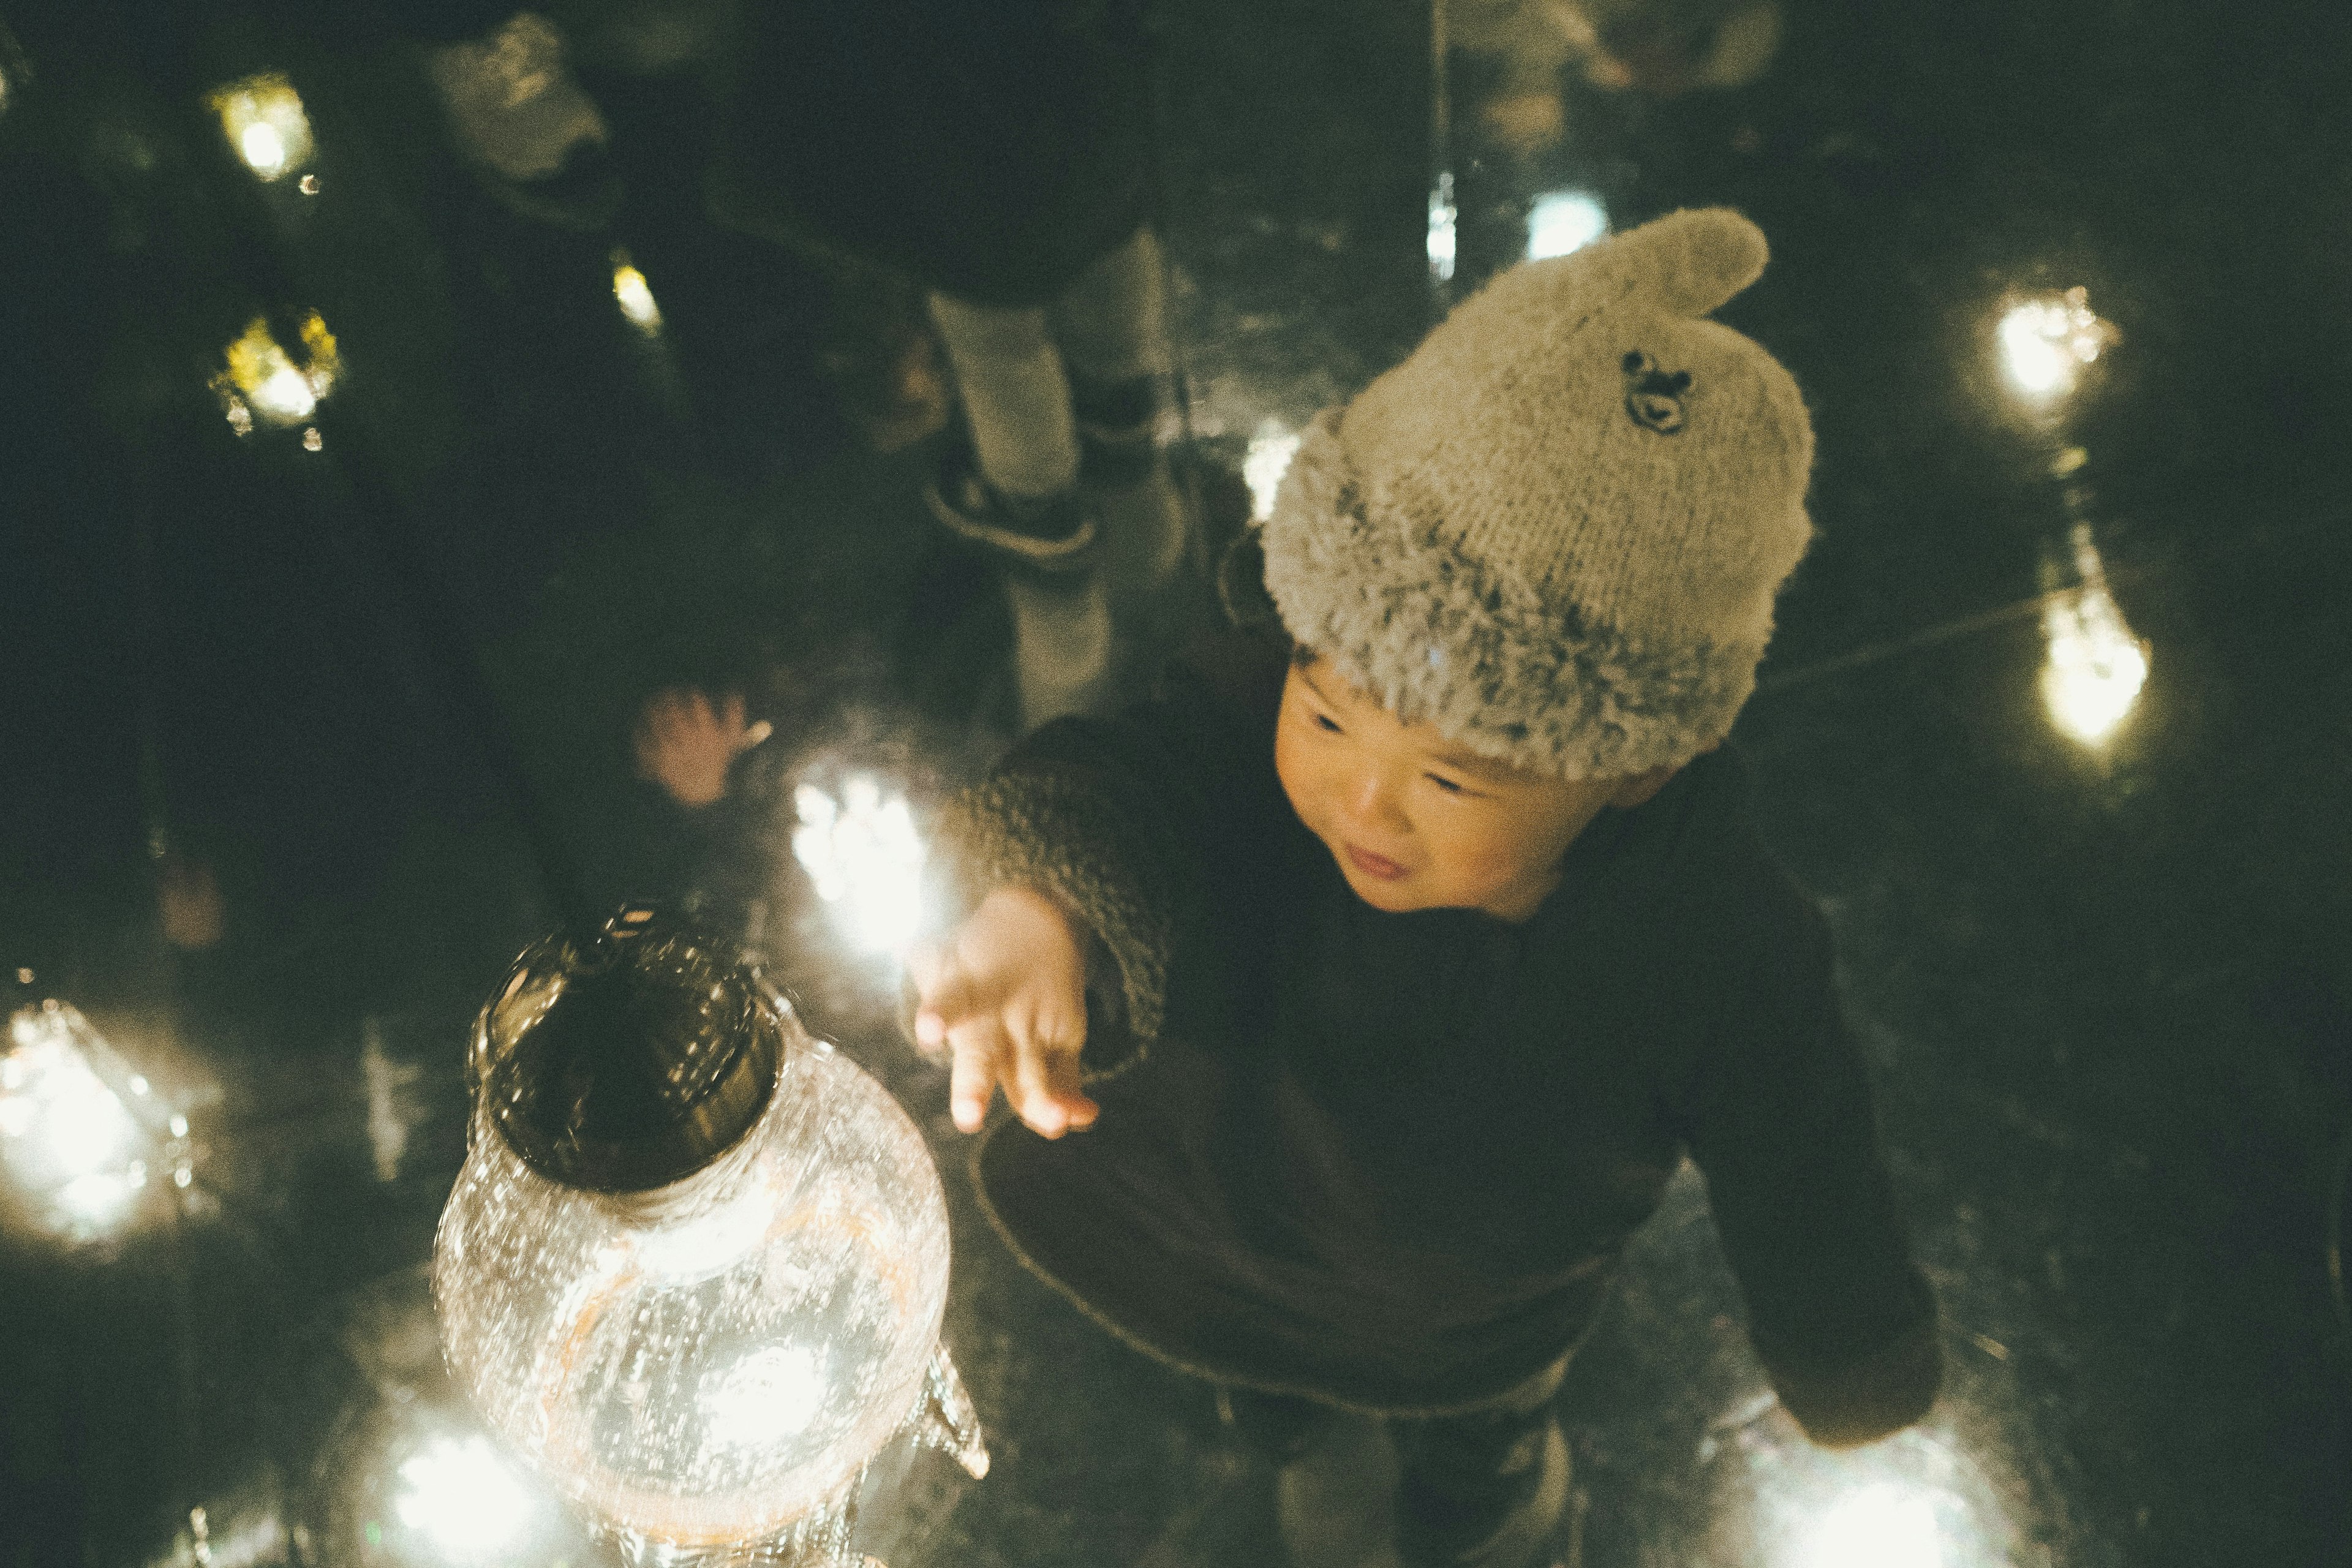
(263, 378)
(1270, 451)
(461, 1496)
(1442, 223)
(74, 1152)
(634, 294)
(1564, 221)
(265, 123)
(1878, 1527)
(2045, 342)
(867, 860)
(2096, 665)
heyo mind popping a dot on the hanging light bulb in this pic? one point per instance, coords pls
(266, 125)
(2096, 665)
(1443, 224)
(86, 1142)
(693, 1269)
(635, 295)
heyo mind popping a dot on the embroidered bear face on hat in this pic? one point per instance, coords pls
(1557, 529)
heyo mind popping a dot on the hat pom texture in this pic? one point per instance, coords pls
(1556, 530)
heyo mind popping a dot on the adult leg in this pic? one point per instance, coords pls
(1484, 1488)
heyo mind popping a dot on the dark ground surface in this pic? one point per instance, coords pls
(2104, 987)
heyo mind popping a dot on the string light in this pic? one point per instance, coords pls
(75, 1153)
(2096, 665)
(635, 295)
(262, 379)
(265, 123)
(1442, 224)
(463, 1498)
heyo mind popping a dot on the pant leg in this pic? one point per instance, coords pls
(1112, 323)
(1458, 1468)
(1016, 396)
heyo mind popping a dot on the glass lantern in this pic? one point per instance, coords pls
(694, 1267)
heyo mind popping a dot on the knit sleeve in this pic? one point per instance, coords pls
(1129, 824)
(1782, 1120)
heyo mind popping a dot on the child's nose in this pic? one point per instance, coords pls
(1373, 804)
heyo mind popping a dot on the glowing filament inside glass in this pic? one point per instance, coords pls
(1270, 451)
(865, 858)
(265, 123)
(635, 295)
(1441, 228)
(2046, 341)
(1563, 221)
(461, 1496)
(768, 1396)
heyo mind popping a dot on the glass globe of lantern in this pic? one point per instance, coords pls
(693, 1268)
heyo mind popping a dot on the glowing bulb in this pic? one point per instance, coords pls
(264, 119)
(1443, 220)
(1563, 221)
(2096, 665)
(768, 1396)
(1879, 1527)
(67, 1142)
(2046, 341)
(1270, 451)
(463, 1497)
(865, 858)
(636, 298)
(263, 378)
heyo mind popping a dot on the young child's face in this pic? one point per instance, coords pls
(1417, 822)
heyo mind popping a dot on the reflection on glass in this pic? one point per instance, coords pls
(262, 378)
(1563, 221)
(2046, 341)
(1442, 228)
(2096, 665)
(864, 855)
(635, 295)
(76, 1153)
(263, 118)
(1270, 451)
(462, 1497)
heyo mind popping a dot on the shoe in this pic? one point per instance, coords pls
(1119, 429)
(1056, 535)
(1436, 1532)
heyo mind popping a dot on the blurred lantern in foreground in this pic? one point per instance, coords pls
(2096, 665)
(87, 1146)
(2046, 341)
(693, 1269)
(865, 858)
(263, 118)
(261, 378)
(1270, 451)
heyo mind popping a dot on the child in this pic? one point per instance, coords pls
(1391, 1023)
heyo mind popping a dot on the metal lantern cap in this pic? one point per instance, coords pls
(629, 1061)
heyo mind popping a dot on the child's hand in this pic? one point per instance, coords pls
(687, 746)
(1005, 992)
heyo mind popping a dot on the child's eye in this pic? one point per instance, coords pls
(1324, 722)
(1447, 784)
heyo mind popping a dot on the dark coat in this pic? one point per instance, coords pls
(1390, 1161)
(991, 148)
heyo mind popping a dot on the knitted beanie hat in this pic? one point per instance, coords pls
(1556, 530)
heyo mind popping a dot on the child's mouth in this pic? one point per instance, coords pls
(1371, 865)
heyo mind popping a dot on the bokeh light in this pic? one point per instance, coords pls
(1442, 224)
(265, 123)
(262, 379)
(2046, 341)
(76, 1156)
(867, 860)
(463, 1498)
(1561, 222)
(1270, 451)
(635, 295)
(2096, 665)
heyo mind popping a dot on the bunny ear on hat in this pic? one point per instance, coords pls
(1693, 261)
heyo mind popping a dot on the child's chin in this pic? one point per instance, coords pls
(1396, 897)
